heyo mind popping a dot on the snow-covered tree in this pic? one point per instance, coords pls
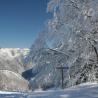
(72, 34)
(76, 24)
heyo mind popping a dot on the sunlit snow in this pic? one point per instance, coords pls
(87, 90)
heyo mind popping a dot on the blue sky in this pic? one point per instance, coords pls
(21, 21)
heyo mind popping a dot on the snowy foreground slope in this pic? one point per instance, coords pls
(11, 81)
(87, 90)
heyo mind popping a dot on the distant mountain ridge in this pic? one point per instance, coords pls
(11, 67)
(12, 59)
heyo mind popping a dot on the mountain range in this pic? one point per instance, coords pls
(11, 68)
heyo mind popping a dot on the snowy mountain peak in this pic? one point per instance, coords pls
(13, 52)
(13, 59)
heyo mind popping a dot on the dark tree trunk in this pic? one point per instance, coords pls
(95, 49)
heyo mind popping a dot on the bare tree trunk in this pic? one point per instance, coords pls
(95, 49)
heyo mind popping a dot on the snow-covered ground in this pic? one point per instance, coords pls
(87, 90)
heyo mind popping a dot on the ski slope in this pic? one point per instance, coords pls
(87, 90)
